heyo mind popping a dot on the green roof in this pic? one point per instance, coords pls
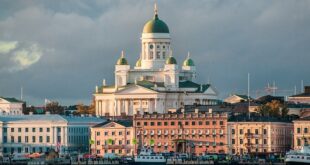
(171, 60)
(12, 99)
(188, 62)
(155, 26)
(190, 84)
(149, 84)
(122, 61)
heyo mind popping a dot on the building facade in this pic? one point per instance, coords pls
(11, 106)
(259, 137)
(155, 83)
(182, 133)
(39, 133)
(112, 137)
(301, 132)
(302, 97)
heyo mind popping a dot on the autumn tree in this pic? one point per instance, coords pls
(273, 109)
(85, 109)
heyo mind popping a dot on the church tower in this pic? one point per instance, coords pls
(121, 71)
(155, 42)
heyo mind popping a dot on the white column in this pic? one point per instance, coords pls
(115, 107)
(127, 107)
(97, 107)
(149, 107)
(131, 112)
(140, 106)
(155, 105)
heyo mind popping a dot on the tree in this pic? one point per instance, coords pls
(54, 108)
(84, 109)
(27, 110)
(273, 109)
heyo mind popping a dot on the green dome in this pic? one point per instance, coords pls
(171, 60)
(188, 62)
(155, 26)
(122, 61)
(138, 63)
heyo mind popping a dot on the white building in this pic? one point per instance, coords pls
(39, 133)
(155, 83)
(11, 106)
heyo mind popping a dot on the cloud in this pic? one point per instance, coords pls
(18, 56)
(6, 47)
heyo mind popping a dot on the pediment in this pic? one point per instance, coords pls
(112, 125)
(210, 91)
(136, 89)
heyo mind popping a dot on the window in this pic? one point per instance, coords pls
(5, 139)
(241, 141)
(59, 139)
(164, 55)
(233, 141)
(12, 139)
(120, 142)
(186, 123)
(33, 139)
(249, 131)
(213, 122)
(127, 141)
(145, 123)
(19, 139)
(33, 129)
(47, 139)
(158, 46)
(106, 133)
(12, 129)
(165, 123)
(47, 129)
(298, 142)
(138, 123)
(41, 129)
(200, 122)
(151, 55)
(193, 123)
(151, 46)
(152, 123)
(98, 133)
(58, 129)
(241, 131)
(158, 123)
(232, 131)
(298, 130)
(5, 130)
(120, 133)
(98, 142)
(172, 123)
(256, 141)
(158, 55)
(26, 129)
(265, 141)
(305, 130)
(40, 139)
(207, 123)
(256, 131)
(26, 139)
(113, 133)
(19, 129)
(127, 133)
(265, 131)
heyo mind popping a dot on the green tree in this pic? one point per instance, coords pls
(273, 109)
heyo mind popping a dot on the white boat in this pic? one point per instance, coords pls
(148, 156)
(298, 156)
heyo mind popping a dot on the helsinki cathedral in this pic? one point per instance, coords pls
(156, 83)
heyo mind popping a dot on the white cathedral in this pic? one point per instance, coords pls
(155, 84)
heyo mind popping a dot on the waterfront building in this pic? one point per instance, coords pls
(11, 106)
(155, 83)
(39, 133)
(198, 133)
(302, 97)
(258, 135)
(112, 137)
(301, 132)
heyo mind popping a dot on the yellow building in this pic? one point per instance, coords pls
(258, 136)
(301, 132)
(112, 137)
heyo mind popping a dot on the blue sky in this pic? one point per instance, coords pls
(60, 50)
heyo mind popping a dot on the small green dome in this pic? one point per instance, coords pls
(155, 26)
(188, 62)
(138, 63)
(171, 60)
(122, 61)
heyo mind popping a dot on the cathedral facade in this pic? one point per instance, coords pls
(155, 83)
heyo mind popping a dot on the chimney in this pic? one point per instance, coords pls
(307, 89)
(210, 110)
(196, 110)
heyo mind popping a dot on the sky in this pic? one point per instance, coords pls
(60, 50)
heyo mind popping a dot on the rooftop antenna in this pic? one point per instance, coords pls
(302, 86)
(21, 93)
(155, 9)
(274, 88)
(295, 90)
(249, 95)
